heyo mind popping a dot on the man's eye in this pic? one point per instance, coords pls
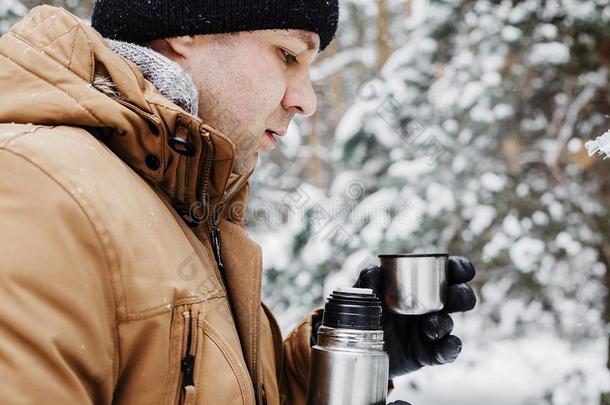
(289, 58)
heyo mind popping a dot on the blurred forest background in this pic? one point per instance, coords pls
(454, 126)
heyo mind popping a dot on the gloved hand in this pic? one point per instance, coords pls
(399, 403)
(415, 341)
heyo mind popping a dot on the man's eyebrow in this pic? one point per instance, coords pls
(309, 41)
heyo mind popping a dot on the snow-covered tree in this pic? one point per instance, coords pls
(10, 12)
(471, 140)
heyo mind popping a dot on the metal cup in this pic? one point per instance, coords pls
(414, 284)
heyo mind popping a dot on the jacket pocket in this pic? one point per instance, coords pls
(207, 366)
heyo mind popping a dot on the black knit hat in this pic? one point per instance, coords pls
(139, 21)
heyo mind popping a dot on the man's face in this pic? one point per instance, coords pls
(251, 84)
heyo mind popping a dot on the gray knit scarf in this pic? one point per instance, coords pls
(166, 75)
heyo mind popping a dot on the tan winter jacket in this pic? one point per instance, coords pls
(107, 295)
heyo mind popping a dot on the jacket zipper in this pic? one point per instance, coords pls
(203, 197)
(188, 348)
(206, 170)
(213, 217)
(217, 215)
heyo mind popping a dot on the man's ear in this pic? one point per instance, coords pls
(178, 49)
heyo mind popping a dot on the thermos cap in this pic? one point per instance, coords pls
(354, 290)
(353, 308)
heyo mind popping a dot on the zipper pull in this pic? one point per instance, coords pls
(188, 365)
(215, 235)
(263, 394)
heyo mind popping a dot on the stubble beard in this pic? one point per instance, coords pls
(244, 165)
(246, 150)
(246, 144)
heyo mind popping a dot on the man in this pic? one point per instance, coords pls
(127, 274)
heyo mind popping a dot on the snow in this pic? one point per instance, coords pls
(491, 79)
(580, 9)
(274, 244)
(556, 210)
(439, 198)
(571, 246)
(510, 33)
(291, 142)
(351, 123)
(526, 252)
(512, 372)
(519, 13)
(492, 181)
(492, 62)
(14, 6)
(350, 270)
(495, 246)
(442, 95)
(480, 113)
(418, 14)
(334, 64)
(574, 145)
(374, 207)
(470, 94)
(503, 111)
(551, 52)
(548, 31)
(410, 170)
(482, 218)
(540, 218)
(316, 252)
(410, 219)
(601, 145)
(572, 114)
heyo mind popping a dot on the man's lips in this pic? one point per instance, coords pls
(271, 138)
(279, 132)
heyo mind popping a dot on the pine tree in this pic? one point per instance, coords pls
(10, 12)
(471, 140)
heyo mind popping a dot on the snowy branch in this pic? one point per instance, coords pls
(600, 145)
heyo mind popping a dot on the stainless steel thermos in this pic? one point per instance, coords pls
(348, 364)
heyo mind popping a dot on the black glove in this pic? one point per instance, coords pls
(399, 403)
(415, 341)
(316, 322)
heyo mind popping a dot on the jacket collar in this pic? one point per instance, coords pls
(166, 75)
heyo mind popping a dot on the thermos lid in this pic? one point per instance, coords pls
(353, 308)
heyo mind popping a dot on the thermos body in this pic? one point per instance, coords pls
(349, 365)
(352, 368)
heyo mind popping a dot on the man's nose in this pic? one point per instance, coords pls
(300, 98)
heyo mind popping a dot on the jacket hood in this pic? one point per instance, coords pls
(56, 70)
